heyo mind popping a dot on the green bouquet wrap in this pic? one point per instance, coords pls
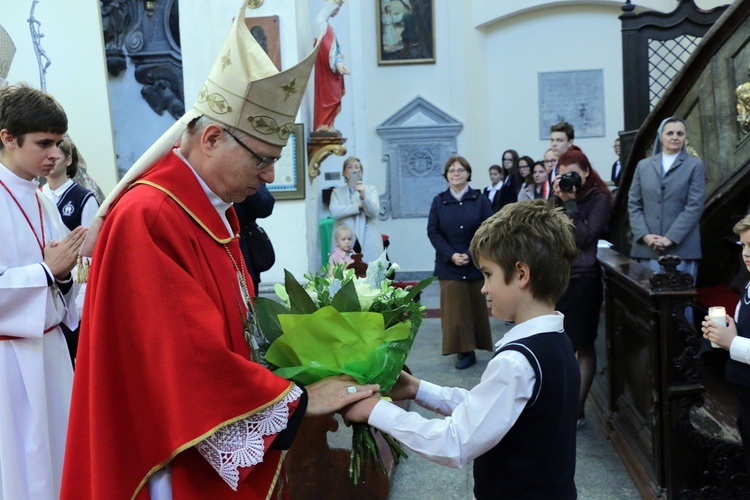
(341, 324)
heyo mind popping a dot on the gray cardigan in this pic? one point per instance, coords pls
(669, 205)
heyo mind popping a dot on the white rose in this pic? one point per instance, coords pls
(366, 294)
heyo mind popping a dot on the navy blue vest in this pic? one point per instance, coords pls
(537, 457)
(736, 372)
(71, 205)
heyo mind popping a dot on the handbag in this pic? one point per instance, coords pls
(262, 256)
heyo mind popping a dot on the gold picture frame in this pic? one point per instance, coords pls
(406, 31)
(290, 169)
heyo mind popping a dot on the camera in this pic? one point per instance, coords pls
(569, 181)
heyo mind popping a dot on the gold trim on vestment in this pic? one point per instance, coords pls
(166, 191)
(203, 436)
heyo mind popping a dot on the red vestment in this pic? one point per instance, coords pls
(162, 362)
(329, 85)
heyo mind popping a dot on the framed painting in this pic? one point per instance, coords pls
(290, 169)
(406, 31)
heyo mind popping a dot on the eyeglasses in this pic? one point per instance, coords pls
(550, 162)
(456, 170)
(263, 162)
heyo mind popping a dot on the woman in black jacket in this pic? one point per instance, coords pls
(588, 205)
(455, 215)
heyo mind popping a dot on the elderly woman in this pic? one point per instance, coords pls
(357, 205)
(665, 202)
(455, 215)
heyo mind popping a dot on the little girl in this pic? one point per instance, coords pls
(342, 254)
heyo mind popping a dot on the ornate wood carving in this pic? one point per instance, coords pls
(154, 47)
(117, 17)
(149, 34)
(656, 396)
(321, 146)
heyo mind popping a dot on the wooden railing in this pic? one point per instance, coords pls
(650, 394)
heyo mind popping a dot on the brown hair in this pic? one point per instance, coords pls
(533, 232)
(69, 150)
(564, 127)
(460, 159)
(24, 110)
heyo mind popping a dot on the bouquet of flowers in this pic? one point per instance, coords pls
(340, 324)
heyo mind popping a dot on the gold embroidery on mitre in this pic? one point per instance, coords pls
(225, 61)
(267, 125)
(217, 102)
(289, 89)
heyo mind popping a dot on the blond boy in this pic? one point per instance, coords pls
(518, 424)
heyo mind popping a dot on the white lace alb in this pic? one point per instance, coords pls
(241, 444)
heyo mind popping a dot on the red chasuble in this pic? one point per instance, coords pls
(329, 86)
(162, 361)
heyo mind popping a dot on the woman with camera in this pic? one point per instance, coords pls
(357, 205)
(586, 199)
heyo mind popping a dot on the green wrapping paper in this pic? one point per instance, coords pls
(327, 342)
(340, 324)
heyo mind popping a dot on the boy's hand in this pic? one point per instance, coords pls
(406, 387)
(359, 413)
(60, 256)
(720, 335)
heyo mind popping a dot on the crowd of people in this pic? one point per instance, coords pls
(205, 417)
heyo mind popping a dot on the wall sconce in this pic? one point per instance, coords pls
(149, 5)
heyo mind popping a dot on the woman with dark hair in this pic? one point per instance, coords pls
(524, 173)
(499, 192)
(539, 185)
(510, 163)
(455, 215)
(586, 199)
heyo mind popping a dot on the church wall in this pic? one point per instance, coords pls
(488, 56)
(77, 74)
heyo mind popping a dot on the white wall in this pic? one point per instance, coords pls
(77, 76)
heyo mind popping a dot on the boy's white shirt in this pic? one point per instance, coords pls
(477, 419)
(739, 349)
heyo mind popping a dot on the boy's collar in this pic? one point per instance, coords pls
(540, 324)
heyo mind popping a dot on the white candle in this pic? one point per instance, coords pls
(718, 315)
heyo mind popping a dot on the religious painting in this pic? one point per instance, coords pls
(290, 169)
(576, 97)
(265, 30)
(406, 31)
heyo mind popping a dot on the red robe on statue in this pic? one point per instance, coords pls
(329, 84)
(162, 362)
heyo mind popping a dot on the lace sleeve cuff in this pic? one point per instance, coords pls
(241, 444)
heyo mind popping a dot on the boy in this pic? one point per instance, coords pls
(37, 296)
(342, 254)
(735, 337)
(519, 423)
